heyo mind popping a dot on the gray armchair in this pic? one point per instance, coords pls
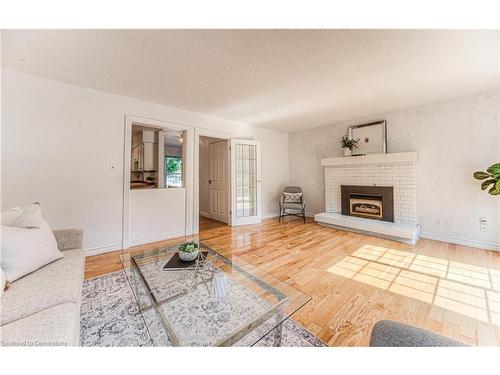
(297, 206)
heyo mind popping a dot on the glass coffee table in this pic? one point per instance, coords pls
(181, 307)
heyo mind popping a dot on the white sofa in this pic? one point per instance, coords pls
(43, 308)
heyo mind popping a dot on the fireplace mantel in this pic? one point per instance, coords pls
(396, 157)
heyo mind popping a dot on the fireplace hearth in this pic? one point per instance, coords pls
(370, 202)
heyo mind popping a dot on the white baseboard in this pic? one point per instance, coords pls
(269, 216)
(207, 215)
(155, 238)
(275, 216)
(135, 242)
(462, 241)
(102, 249)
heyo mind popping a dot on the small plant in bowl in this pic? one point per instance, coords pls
(189, 251)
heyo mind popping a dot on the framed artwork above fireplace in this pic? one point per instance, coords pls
(372, 138)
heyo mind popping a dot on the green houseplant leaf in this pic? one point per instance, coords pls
(494, 191)
(497, 189)
(492, 177)
(487, 183)
(479, 175)
(494, 169)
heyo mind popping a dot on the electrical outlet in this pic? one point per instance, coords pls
(437, 221)
(483, 224)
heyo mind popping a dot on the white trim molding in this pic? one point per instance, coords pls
(103, 249)
(156, 238)
(135, 242)
(462, 241)
(397, 157)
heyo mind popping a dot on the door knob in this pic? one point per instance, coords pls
(209, 182)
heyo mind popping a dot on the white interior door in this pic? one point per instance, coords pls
(245, 182)
(219, 181)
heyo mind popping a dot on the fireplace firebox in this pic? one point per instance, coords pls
(369, 202)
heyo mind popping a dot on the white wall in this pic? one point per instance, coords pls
(59, 139)
(453, 138)
(156, 214)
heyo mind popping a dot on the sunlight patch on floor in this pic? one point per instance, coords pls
(464, 288)
(494, 304)
(495, 279)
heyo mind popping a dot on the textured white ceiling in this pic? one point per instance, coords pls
(287, 80)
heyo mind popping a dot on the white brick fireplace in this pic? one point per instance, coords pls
(397, 170)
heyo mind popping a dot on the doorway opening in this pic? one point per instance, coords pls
(227, 176)
(214, 182)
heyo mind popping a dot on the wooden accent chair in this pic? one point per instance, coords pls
(298, 205)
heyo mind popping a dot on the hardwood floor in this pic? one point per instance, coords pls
(355, 280)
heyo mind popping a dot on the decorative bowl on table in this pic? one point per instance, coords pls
(188, 251)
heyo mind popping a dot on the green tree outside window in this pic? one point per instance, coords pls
(173, 171)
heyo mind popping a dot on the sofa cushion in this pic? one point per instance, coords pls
(58, 325)
(56, 283)
(292, 206)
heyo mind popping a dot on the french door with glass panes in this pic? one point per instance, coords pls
(245, 182)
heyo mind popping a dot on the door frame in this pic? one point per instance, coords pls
(189, 166)
(205, 133)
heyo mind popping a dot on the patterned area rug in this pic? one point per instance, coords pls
(110, 317)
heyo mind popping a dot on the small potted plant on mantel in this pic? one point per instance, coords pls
(189, 251)
(348, 144)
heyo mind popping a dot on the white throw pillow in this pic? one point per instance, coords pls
(30, 217)
(27, 245)
(8, 216)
